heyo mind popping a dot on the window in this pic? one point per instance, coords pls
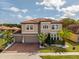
(53, 27)
(56, 26)
(45, 26)
(29, 27)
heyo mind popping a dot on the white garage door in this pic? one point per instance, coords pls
(30, 39)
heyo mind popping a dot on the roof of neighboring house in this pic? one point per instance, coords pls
(74, 28)
(38, 20)
(8, 28)
(17, 31)
(15, 28)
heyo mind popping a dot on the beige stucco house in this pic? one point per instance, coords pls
(31, 28)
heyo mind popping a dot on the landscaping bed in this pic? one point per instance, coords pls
(59, 49)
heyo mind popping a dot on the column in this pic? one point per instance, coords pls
(59, 37)
(53, 36)
(23, 39)
(56, 36)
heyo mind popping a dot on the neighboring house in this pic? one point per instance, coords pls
(3, 28)
(75, 29)
(31, 28)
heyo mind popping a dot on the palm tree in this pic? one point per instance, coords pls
(41, 38)
(65, 34)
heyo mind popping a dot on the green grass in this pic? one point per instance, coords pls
(69, 49)
(52, 49)
(58, 49)
(60, 57)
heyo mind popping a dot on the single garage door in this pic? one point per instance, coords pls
(18, 39)
(30, 39)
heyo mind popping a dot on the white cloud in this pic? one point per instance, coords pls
(52, 3)
(24, 10)
(48, 8)
(19, 16)
(58, 15)
(4, 4)
(15, 9)
(70, 11)
(49, 17)
(28, 17)
(37, 3)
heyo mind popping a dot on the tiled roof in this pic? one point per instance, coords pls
(74, 28)
(37, 20)
(17, 31)
(8, 28)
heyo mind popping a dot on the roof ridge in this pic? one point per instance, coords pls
(37, 20)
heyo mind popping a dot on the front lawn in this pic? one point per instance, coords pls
(58, 49)
(52, 49)
(61, 57)
(70, 48)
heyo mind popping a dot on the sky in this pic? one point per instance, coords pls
(16, 11)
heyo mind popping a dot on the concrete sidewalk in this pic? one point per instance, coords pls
(19, 56)
(32, 55)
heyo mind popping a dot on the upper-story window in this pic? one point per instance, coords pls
(45, 26)
(29, 27)
(55, 26)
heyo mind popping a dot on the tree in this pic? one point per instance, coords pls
(41, 38)
(68, 21)
(65, 34)
(77, 21)
(11, 25)
(48, 40)
(7, 36)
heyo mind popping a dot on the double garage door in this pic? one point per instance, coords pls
(26, 38)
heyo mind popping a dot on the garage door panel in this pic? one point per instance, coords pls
(18, 38)
(30, 39)
(27, 38)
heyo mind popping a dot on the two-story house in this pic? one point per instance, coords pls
(31, 28)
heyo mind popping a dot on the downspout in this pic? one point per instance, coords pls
(39, 28)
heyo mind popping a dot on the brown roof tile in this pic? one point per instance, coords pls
(8, 28)
(74, 28)
(17, 31)
(37, 20)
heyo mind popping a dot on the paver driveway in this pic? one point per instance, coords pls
(22, 47)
